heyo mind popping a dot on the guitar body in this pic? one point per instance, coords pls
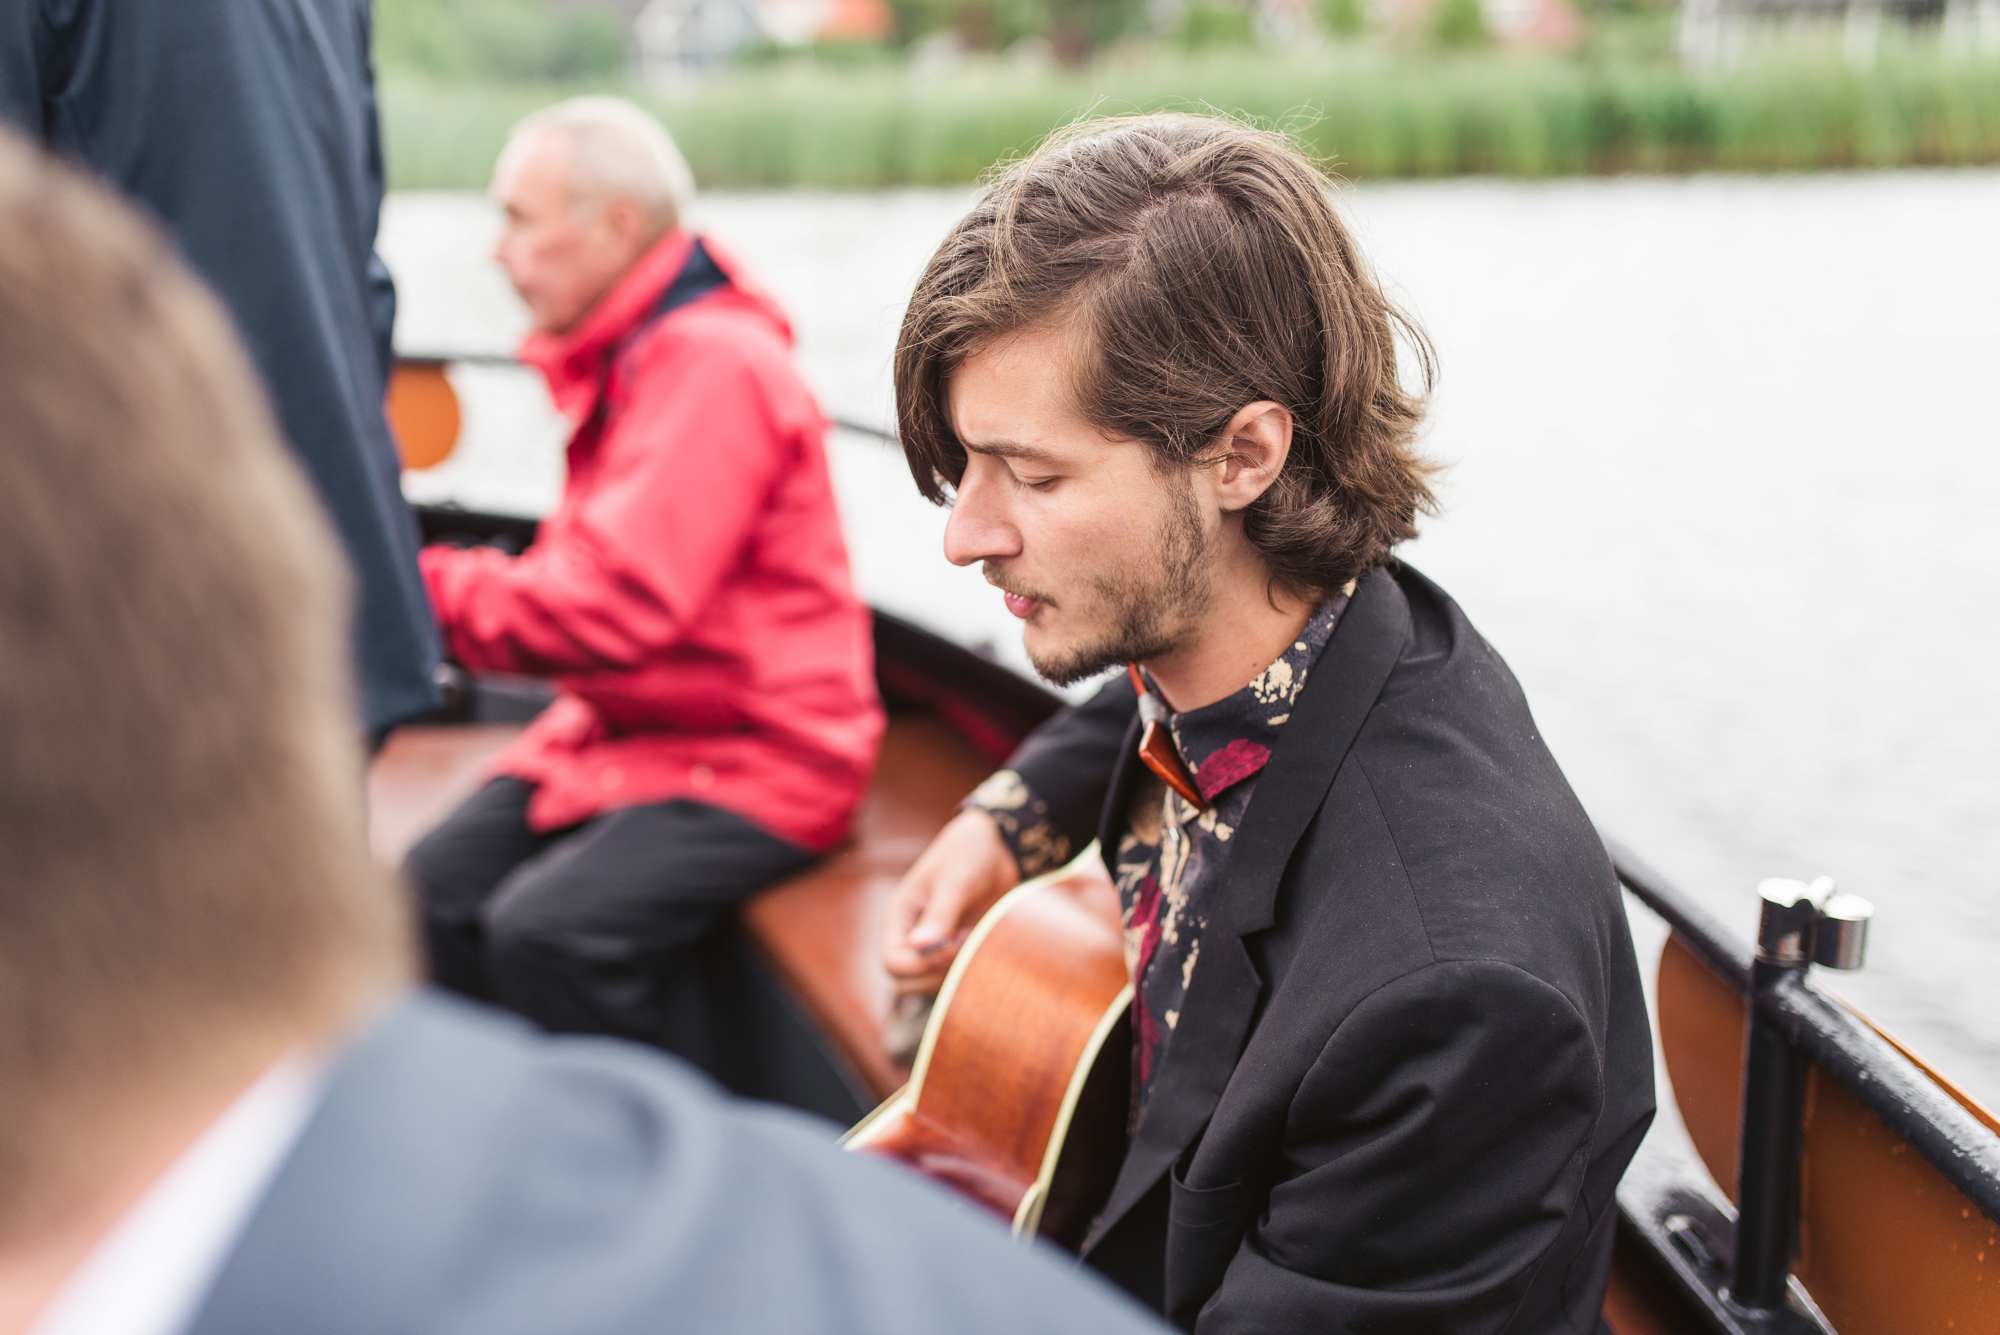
(1019, 1096)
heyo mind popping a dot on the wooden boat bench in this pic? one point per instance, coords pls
(814, 938)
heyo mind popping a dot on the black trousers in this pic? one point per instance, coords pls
(586, 929)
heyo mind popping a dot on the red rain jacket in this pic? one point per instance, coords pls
(690, 595)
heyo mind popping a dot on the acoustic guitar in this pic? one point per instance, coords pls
(1019, 1095)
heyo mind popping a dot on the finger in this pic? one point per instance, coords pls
(918, 970)
(940, 916)
(900, 956)
(906, 904)
(920, 985)
(905, 965)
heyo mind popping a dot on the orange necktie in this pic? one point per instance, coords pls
(1156, 744)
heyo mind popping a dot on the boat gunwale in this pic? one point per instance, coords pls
(1909, 1102)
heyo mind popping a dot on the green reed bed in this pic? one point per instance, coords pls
(1373, 116)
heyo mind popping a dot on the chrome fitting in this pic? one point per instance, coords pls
(1812, 923)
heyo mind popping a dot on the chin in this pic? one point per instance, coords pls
(1066, 664)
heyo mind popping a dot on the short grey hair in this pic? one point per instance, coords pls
(618, 150)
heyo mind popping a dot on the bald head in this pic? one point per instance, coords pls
(587, 187)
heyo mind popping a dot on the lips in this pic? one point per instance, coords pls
(1022, 605)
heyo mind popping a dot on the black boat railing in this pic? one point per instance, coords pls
(1793, 1027)
(506, 361)
(1837, 1041)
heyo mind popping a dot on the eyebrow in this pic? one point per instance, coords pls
(1007, 449)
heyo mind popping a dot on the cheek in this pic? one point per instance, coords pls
(1071, 541)
(507, 251)
(544, 252)
(540, 254)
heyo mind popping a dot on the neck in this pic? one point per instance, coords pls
(120, 1155)
(1249, 623)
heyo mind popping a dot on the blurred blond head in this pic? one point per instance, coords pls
(586, 187)
(185, 889)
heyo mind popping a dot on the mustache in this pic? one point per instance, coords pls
(997, 578)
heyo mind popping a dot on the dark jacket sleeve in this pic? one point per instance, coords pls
(381, 284)
(21, 57)
(1048, 798)
(1432, 1158)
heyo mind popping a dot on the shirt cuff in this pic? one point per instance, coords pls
(1026, 827)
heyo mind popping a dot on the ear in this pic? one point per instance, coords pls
(626, 221)
(1249, 454)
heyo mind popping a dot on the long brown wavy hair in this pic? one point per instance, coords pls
(1206, 267)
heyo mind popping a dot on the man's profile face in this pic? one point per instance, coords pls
(1105, 560)
(561, 253)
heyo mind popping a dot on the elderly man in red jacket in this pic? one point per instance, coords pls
(716, 721)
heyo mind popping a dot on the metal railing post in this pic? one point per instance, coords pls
(1798, 925)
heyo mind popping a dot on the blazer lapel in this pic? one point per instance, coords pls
(1223, 997)
(1221, 1000)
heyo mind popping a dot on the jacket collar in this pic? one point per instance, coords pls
(1223, 998)
(416, 1109)
(1224, 743)
(573, 361)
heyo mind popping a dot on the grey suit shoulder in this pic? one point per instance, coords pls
(464, 1174)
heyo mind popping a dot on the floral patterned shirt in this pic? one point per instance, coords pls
(1167, 864)
(1024, 821)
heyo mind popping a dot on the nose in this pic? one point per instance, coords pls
(505, 256)
(507, 250)
(979, 528)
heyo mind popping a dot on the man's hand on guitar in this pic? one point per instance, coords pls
(966, 868)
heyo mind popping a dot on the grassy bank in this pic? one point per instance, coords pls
(1374, 117)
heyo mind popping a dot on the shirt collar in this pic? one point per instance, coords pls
(1226, 742)
(150, 1271)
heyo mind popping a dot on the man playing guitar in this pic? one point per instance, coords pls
(1389, 1051)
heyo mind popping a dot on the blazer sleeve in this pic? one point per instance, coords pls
(1432, 1158)
(685, 470)
(1047, 799)
(381, 283)
(22, 42)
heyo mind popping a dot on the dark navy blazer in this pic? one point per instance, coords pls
(1415, 1058)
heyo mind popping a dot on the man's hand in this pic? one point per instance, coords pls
(965, 869)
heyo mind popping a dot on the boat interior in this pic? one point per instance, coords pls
(1864, 1196)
